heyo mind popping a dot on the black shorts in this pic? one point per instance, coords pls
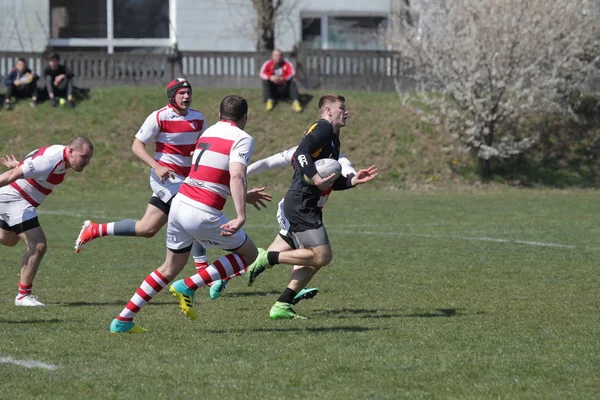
(22, 227)
(301, 216)
(161, 205)
(304, 225)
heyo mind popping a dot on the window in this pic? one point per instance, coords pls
(343, 32)
(102, 25)
(355, 33)
(141, 19)
(77, 19)
(311, 32)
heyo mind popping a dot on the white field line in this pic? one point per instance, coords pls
(112, 218)
(84, 216)
(349, 230)
(27, 363)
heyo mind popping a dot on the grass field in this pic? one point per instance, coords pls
(379, 130)
(454, 294)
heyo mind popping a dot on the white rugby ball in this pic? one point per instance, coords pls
(326, 167)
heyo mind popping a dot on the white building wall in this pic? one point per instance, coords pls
(227, 25)
(200, 25)
(215, 25)
(24, 25)
(287, 37)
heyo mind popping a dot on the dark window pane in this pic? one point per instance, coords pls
(77, 19)
(311, 31)
(355, 33)
(139, 19)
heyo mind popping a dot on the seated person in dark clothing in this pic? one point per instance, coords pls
(21, 83)
(59, 81)
(277, 76)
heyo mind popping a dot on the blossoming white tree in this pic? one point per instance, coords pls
(494, 61)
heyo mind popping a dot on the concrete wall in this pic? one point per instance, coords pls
(24, 25)
(227, 25)
(290, 28)
(215, 25)
(201, 25)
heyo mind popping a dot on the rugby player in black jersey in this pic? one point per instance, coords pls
(303, 239)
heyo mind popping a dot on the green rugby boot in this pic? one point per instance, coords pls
(284, 311)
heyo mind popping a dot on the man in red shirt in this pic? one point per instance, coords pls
(277, 76)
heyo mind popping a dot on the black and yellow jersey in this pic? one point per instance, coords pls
(319, 141)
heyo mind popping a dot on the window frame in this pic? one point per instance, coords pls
(110, 42)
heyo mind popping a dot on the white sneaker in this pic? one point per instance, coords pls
(28, 301)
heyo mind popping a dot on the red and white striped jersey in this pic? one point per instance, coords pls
(175, 136)
(219, 146)
(42, 170)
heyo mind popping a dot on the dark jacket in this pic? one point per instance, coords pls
(58, 71)
(14, 75)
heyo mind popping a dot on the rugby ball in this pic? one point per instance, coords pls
(326, 167)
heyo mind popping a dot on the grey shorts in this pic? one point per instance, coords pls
(305, 239)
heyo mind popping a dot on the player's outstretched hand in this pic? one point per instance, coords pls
(163, 173)
(365, 175)
(10, 161)
(257, 197)
(232, 226)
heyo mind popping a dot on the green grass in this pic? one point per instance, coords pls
(380, 131)
(419, 302)
(433, 294)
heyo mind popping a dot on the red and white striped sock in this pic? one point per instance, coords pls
(107, 229)
(200, 263)
(24, 290)
(153, 284)
(223, 268)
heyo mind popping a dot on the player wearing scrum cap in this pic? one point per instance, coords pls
(174, 129)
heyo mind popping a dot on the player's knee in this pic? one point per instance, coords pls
(8, 239)
(40, 248)
(322, 259)
(9, 242)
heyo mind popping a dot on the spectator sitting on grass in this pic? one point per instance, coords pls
(21, 83)
(59, 81)
(277, 76)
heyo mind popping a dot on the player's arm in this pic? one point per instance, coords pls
(238, 185)
(31, 168)
(139, 149)
(10, 176)
(347, 167)
(275, 161)
(362, 176)
(145, 135)
(344, 181)
(312, 142)
(238, 160)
